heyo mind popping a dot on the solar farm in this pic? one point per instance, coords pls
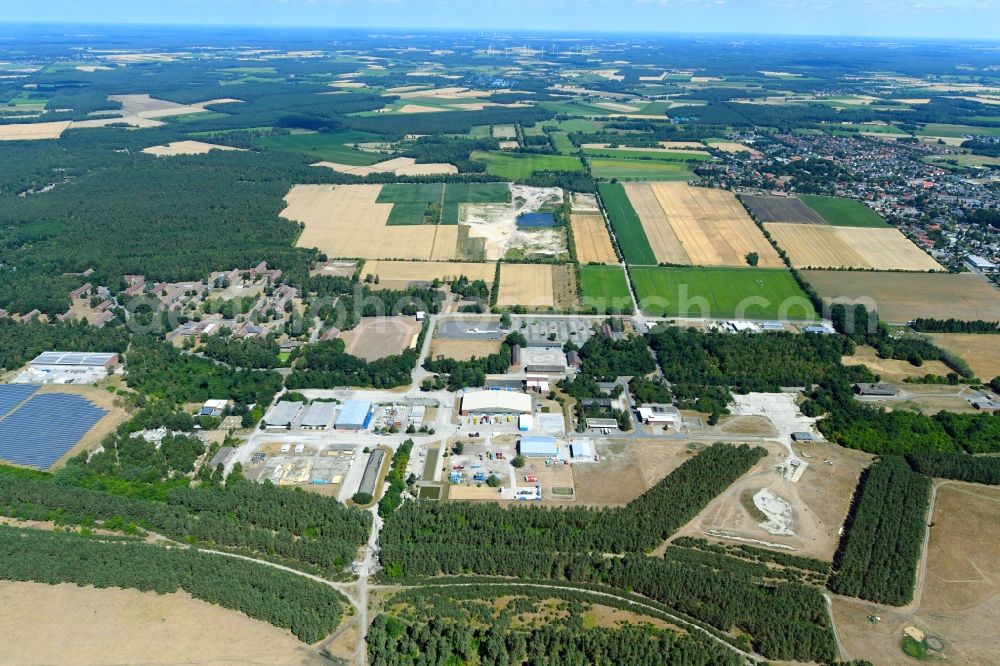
(38, 430)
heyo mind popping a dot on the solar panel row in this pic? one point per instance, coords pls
(12, 395)
(45, 427)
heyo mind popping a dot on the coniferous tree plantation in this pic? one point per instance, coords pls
(957, 466)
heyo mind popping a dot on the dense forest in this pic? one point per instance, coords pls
(884, 532)
(309, 609)
(250, 353)
(957, 466)
(325, 364)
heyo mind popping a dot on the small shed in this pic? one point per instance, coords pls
(802, 437)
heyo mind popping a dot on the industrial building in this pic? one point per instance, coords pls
(370, 477)
(583, 450)
(58, 367)
(496, 402)
(549, 360)
(659, 415)
(881, 390)
(213, 408)
(356, 415)
(602, 424)
(222, 457)
(537, 446)
(318, 416)
(282, 415)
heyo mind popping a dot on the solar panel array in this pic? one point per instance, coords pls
(44, 428)
(72, 358)
(12, 395)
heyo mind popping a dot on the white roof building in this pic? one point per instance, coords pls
(659, 415)
(496, 402)
(282, 414)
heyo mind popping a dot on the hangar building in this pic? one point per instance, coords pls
(496, 402)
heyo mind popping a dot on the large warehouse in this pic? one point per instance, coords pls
(59, 367)
(496, 402)
(356, 415)
(282, 414)
(318, 416)
(536, 446)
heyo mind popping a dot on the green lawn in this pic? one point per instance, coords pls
(518, 166)
(626, 224)
(605, 288)
(328, 146)
(605, 168)
(659, 155)
(843, 212)
(410, 200)
(746, 293)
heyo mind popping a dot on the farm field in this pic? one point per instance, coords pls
(593, 242)
(347, 221)
(410, 201)
(529, 285)
(143, 627)
(901, 297)
(698, 226)
(400, 166)
(456, 194)
(844, 212)
(606, 168)
(326, 146)
(399, 274)
(781, 209)
(745, 293)
(982, 352)
(825, 246)
(562, 143)
(957, 131)
(605, 287)
(626, 223)
(960, 596)
(596, 150)
(518, 166)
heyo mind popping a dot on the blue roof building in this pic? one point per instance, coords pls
(356, 415)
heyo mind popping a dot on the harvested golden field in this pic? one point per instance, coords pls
(345, 221)
(398, 274)
(734, 147)
(463, 350)
(982, 352)
(401, 166)
(185, 148)
(33, 131)
(901, 297)
(593, 243)
(129, 627)
(529, 285)
(698, 226)
(822, 246)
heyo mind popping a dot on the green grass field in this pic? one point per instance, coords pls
(935, 129)
(328, 146)
(410, 200)
(573, 125)
(659, 155)
(747, 293)
(843, 212)
(197, 117)
(604, 288)
(626, 225)
(562, 143)
(518, 166)
(605, 168)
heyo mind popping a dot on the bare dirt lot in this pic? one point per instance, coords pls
(818, 501)
(529, 285)
(824, 246)
(33, 131)
(698, 226)
(463, 350)
(185, 148)
(345, 221)
(378, 337)
(781, 209)
(401, 166)
(982, 352)
(128, 627)
(960, 599)
(626, 470)
(901, 297)
(398, 274)
(593, 242)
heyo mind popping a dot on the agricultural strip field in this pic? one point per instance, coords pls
(746, 293)
(518, 166)
(348, 221)
(562, 143)
(825, 246)
(399, 274)
(698, 226)
(329, 146)
(844, 212)
(529, 285)
(605, 287)
(649, 154)
(606, 168)
(592, 240)
(781, 209)
(901, 297)
(625, 221)
(410, 201)
(982, 352)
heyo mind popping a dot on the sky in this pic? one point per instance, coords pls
(940, 19)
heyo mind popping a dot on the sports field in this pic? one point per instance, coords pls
(518, 166)
(844, 212)
(592, 240)
(604, 288)
(529, 285)
(744, 293)
(347, 221)
(626, 224)
(606, 168)
(901, 297)
(781, 209)
(825, 246)
(329, 146)
(698, 226)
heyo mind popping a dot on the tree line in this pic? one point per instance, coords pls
(957, 466)
(954, 326)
